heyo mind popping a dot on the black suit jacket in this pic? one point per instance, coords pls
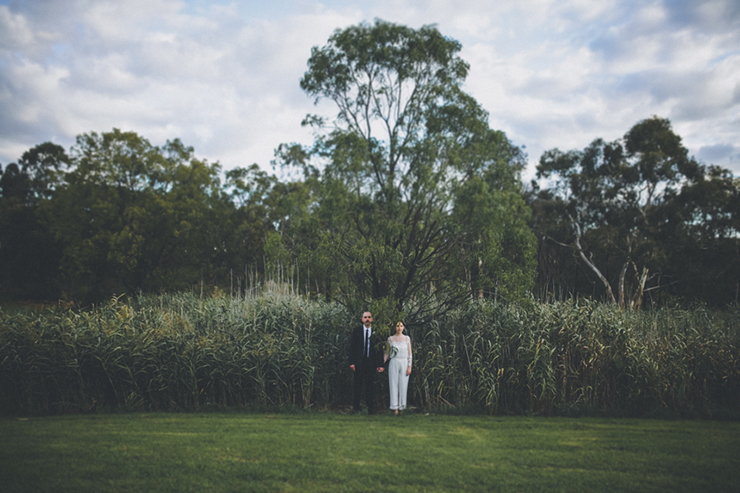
(356, 347)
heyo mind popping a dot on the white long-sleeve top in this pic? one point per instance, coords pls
(400, 349)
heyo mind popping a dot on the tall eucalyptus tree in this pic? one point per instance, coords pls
(420, 198)
(627, 208)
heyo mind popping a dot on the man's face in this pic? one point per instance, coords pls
(367, 319)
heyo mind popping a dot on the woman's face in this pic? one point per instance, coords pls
(399, 328)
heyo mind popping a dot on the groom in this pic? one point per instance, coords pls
(364, 359)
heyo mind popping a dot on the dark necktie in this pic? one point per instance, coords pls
(367, 343)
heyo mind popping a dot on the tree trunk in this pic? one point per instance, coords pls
(609, 292)
(640, 291)
(622, 275)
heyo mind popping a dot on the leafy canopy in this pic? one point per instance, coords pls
(415, 185)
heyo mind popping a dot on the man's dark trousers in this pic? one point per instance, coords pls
(365, 368)
(365, 380)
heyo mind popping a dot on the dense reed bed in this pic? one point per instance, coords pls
(180, 352)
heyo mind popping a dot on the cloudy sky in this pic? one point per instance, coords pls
(223, 75)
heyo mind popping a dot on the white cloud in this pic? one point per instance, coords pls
(227, 87)
(224, 76)
(115, 23)
(14, 30)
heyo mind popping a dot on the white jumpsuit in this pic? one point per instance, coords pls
(398, 381)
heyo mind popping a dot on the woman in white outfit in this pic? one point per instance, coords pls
(399, 369)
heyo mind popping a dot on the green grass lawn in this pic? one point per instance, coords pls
(331, 452)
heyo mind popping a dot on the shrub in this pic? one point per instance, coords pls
(275, 349)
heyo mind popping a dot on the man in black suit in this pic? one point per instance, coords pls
(365, 360)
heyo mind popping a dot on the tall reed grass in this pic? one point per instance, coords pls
(585, 357)
(181, 352)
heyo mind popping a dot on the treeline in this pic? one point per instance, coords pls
(637, 221)
(183, 352)
(118, 215)
(407, 203)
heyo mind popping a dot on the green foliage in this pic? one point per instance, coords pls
(173, 352)
(180, 352)
(129, 211)
(417, 199)
(131, 216)
(30, 254)
(636, 214)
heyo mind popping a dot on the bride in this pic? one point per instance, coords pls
(399, 369)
